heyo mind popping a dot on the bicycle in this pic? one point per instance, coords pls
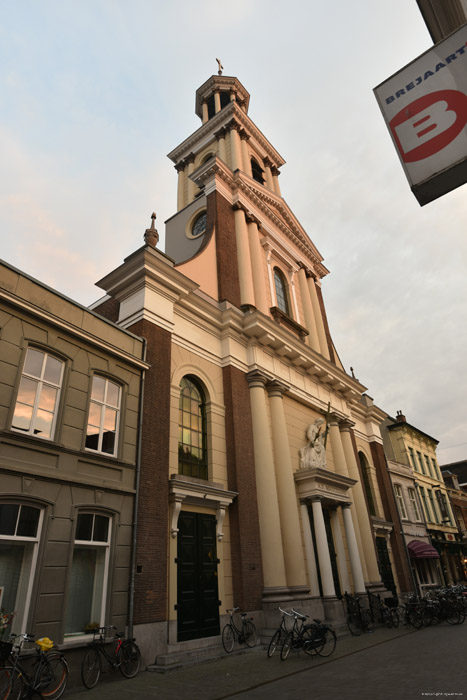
(317, 638)
(245, 634)
(382, 612)
(50, 670)
(125, 656)
(279, 635)
(358, 618)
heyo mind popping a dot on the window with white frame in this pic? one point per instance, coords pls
(19, 537)
(400, 501)
(413, 501)
(104, 416)
(412, 458)
(38, 394)
(432, 505)
(428, 467)
(89, 574)
(282, 298)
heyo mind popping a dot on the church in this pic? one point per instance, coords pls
(259, 452)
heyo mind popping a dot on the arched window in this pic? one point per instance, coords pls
(367, 483)
(282, 299)
(192, 433)
(257, 171)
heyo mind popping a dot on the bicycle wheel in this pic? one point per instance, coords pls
(354, 623)
(414, 618)
(329, 642)
(53, 677)
(91, 668)
(11, 684)
(274, 643)
(451, 614)
(286, 646)
(228, 638)
(249, 633)
(387, 617)
(395, 618)
(129, 657)
(310, 640)
(427, 616)
(367, 621)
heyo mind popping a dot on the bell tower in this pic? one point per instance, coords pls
(233, 232)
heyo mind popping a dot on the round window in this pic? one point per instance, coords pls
(198, 226)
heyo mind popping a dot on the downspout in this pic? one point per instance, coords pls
(131, 605)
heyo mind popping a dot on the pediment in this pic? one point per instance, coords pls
(280, 214)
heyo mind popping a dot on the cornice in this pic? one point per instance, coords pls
(266, 332)
(85, 336)
(219, 120)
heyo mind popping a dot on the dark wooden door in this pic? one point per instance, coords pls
(197, 595)
(385, 568)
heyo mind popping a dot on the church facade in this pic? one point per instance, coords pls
(259, 451)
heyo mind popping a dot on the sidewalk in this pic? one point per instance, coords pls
(227, 675)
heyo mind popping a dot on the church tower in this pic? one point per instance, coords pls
(254, 436)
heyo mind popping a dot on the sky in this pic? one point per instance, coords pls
(95, 93)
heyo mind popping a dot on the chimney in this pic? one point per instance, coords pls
(400, 418)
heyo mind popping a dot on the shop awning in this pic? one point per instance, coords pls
(422, 550)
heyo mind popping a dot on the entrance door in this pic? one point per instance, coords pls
(385, 568)
(197, 589)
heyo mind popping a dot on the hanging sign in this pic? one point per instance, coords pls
(425, 109)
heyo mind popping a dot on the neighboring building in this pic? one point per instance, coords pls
(455, 478)
(246, 499)
(406, 445)
(442, 17)
(69, 405)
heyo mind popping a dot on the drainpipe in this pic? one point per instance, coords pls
(131, 605)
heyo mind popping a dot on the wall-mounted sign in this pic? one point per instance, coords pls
(425, 109)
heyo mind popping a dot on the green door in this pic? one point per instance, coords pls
(384, 562)
(197, 589)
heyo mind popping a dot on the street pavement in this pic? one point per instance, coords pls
(401, 664)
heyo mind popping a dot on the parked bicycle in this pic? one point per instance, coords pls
(316, 638)
(279, 635)
(358, 618)
(381, 612)
(244, 634)
(124, 655)
(48, 676)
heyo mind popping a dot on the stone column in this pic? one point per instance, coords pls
(322, 546)
(287, 496)
(340, 551)
(364, 524)
(235, 151)
(217, 102)
(310, 324)
(180, 168)
(323, 343)
(340, 466)
(220, 136)
(268, 507)
(247, 293)
(275, 180)
(310, 551)
(204, 107)
(267, 170)
(257, 264)
(191, 185)
(245, 155)
(357, 573)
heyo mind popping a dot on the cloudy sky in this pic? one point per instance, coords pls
(95, 93)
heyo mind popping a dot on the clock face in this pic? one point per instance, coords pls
(199, 225)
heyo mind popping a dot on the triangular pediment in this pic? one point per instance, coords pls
(279, 213)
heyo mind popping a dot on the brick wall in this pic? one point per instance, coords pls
(153, 508)
(247, 570)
